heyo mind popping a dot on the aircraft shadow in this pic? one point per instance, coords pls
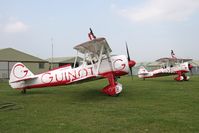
(159, 80)
(93, 95)
(31, 92)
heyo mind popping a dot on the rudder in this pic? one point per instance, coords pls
(19, 73)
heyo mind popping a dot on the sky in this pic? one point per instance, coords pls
(150, 27)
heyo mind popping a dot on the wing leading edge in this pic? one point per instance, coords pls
(94, 46)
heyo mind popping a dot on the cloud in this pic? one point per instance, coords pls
(161, 10)
(15, 27)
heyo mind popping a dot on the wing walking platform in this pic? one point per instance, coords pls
(94, 46)
(173, 60)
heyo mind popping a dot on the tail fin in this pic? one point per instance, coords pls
(19, 73)
(142, 71)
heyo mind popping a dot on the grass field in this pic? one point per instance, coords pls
(154, 106)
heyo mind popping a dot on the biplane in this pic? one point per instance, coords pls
(170, 66)
(96, 64)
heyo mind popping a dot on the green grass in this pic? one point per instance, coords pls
(154, 106)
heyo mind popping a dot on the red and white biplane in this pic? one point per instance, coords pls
(97, 63)
(171, 66)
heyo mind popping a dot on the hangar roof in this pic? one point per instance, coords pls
(64, 59)
(10, 54)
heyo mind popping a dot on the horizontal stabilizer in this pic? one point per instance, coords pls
(24, 79)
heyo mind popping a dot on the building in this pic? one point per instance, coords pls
(10, 56)
(195, 64)
(56, 62)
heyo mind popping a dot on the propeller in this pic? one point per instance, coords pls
(130, 62)
(190, 68)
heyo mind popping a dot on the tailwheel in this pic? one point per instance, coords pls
(23, 91)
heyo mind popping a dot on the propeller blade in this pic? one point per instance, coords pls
(127, 51)
(131, 72)
(190, 68)
(129, 59)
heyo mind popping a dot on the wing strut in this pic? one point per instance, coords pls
(109, 59)
(100, 60)
(75, 60)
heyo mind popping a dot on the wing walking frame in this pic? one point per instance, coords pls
(97, 50)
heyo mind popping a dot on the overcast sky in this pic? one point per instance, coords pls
(151, 27)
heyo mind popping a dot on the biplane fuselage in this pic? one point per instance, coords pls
(104, 66)
(66, 74)
(179, 70)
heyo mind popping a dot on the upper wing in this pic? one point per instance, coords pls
(173, 60)
(94, 46)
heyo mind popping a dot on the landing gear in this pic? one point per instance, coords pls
(114, 88)
(182, 77)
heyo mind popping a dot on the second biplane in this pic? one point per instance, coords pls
(171, 66)
(97, 63)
